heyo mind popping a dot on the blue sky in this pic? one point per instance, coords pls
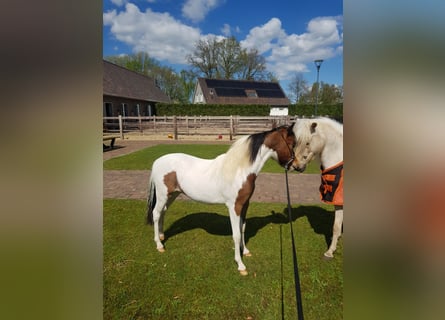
(290, 34)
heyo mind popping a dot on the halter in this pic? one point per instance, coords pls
(286, 166)
(291, 151)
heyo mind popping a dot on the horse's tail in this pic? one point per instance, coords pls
(151, 201)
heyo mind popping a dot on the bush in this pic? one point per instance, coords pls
(334, 111)
(169, 109)
(165, 109)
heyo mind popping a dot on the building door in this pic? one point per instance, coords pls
(108, 109)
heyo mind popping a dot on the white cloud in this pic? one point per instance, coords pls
(170, 41)
(196, 10)
(159, 34)
(226, 30)
(119, 2)
(287, 54)
(264, 37)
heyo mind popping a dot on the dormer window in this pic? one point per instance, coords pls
(251, 94)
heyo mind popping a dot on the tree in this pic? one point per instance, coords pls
(331, 94)
(204, 58)
(188, 80)
(298, 88)
(139, 62)
(253, 66)
(225, 59)
(328, 94)
(228, 58)
(179, 87)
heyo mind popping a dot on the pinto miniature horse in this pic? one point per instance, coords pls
(228, 179)
(323, 138)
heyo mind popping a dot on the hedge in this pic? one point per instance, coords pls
(169, 109)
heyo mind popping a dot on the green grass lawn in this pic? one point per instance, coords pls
(197, 278)
(143, 159)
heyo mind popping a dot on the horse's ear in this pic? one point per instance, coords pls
(313, 126)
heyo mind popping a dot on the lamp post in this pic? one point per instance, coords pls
(318, 65)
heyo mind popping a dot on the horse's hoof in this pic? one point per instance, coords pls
(243, 272)
(325, 257)
(248, 254)
(161, 250)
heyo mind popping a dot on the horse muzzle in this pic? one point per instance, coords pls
(299, 168)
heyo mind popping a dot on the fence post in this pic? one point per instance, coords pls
(231, 128)
(140, 123)
(175, 126)
(121, 131)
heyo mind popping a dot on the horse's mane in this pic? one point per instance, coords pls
(302, 128)
(244, 151)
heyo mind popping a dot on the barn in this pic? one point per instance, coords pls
(129, 93)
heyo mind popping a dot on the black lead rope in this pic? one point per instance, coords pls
(282, 273)
(294, 252)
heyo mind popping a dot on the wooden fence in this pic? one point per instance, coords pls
(193, 125)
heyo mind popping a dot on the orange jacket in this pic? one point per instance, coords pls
(331, 188)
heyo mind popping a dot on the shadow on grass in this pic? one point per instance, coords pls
(212, 223)
(321, 221)
(217, 224)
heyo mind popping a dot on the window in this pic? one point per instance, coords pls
(108, 109)
(251, 94)
(199, 98)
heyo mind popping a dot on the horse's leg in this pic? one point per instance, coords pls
(157, 212)
(170, 198)
(161, 225)
(336, 232)
(158, 218)
(246, 251)
(236, 234)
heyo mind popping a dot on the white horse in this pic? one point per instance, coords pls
(323, 138)
(228, 179)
